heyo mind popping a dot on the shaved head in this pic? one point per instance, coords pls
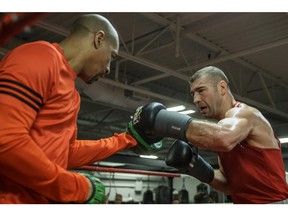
(94, 23)
(213, 74)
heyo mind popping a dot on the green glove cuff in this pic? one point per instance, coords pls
(98, 193)
(143, 146)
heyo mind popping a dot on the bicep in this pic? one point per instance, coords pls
(224, 135)
(234, 130)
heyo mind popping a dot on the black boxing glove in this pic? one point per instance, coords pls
(141, 128)
(182, 157)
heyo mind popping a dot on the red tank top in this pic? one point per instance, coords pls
(255, 175)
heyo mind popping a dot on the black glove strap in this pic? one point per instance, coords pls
(201, 170)
(171, 124)
(93, 189)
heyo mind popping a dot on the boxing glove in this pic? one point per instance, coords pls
(98, 195)
(182, 157)
(141, 129)
(153, 120)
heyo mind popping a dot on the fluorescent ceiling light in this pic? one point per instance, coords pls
(110, 164)
(149, 156)
(284, 140)
(187, 112)
(176, 108)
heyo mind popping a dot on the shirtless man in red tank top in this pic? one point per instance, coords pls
(251, 168)
(250, 160)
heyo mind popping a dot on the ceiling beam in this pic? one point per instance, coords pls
(236, 55)
(162, 21)
(151, 41)
(141, 91)
(51, 27)
(148, 63)
(214, 48)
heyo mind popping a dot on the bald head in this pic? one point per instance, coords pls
(91, 46)
(94, 23)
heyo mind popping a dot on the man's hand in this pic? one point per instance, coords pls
(98, 190)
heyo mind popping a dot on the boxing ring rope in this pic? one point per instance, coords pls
(132, 171)
(119, 170)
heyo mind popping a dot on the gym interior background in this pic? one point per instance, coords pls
(158, 53)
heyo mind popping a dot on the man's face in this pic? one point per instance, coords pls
(98, 62)
(118, 199)
(205, 96)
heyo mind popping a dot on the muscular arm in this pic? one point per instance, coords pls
(221, 136)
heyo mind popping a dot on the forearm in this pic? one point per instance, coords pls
(205, 135)
(201, 133)
(84, 152)
(221, 136)
(220, 183)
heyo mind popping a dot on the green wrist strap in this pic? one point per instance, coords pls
(142, 144)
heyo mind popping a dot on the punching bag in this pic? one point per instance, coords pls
(183, 194)
(148, 197)
(163, 195)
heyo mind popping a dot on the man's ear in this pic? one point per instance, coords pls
(98, 38)
(222, 87)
